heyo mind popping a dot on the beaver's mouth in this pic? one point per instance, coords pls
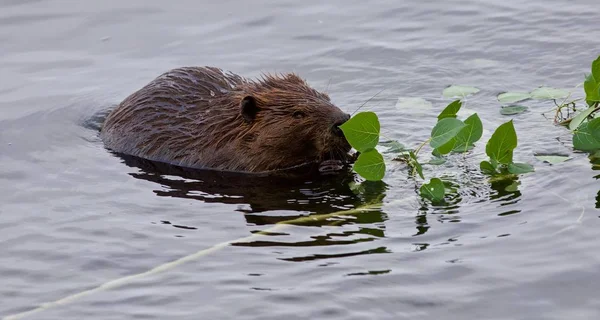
(333, 162)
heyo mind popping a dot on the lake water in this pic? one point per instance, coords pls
(76, 221)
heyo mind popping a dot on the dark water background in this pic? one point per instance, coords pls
(73, 216)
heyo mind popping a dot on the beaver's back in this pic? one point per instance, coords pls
(173, 117)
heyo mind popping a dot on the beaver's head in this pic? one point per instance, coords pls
(287, 123)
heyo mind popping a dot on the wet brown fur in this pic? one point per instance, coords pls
(193, 117)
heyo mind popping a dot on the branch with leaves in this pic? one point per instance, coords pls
(452, 135)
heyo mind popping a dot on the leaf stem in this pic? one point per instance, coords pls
(596, 106)
(421, 146)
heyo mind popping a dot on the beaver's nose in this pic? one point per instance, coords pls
(336, 126)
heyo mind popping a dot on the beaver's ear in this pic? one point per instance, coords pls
(249, 108)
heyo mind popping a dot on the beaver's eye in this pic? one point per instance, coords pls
(299, 114)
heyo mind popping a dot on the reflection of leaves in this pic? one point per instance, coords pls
(362, 131)
(513, 187)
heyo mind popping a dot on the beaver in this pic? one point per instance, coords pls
(205, 118)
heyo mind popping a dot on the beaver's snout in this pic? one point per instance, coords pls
(336, 126)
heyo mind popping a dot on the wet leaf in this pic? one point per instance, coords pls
(370, 165)
(393, 146)
(413, 103)
(548, 93)
(446, 148)
(413, 162)
(437, 161)
(592, 83)
(362, 131)
(511, 110)
(456, 91)
(470, 134)
(501, 144)
(596, 68)
(451, 110)
(591, 86)
(552, 159)
(487, 167)
(587, 136)
(520, 168)
(512, 97)
(579, 118)
(444, 131)
(434, 190)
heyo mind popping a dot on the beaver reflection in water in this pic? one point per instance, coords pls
(201, 117)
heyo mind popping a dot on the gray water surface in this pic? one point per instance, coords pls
(74, 216)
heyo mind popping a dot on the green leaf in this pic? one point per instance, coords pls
(415, 164)
(393, 146)
(501, 144)
(487, 167)
(451, 110)
(434, 190)
(444, 131)
(512, 97)
(446, 148)
(579, 118)
(494, 164)
(510, 110)
(552, 159)
(437, 161)
(548, 93)
(370, 165)
(456, 91)
(596, 68)
(587, 136)
(362, 131)
(591, 86)
(520, 168)
(592, 83)
(470, 134)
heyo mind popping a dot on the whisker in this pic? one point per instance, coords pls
(327, 88)
(371, 98)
